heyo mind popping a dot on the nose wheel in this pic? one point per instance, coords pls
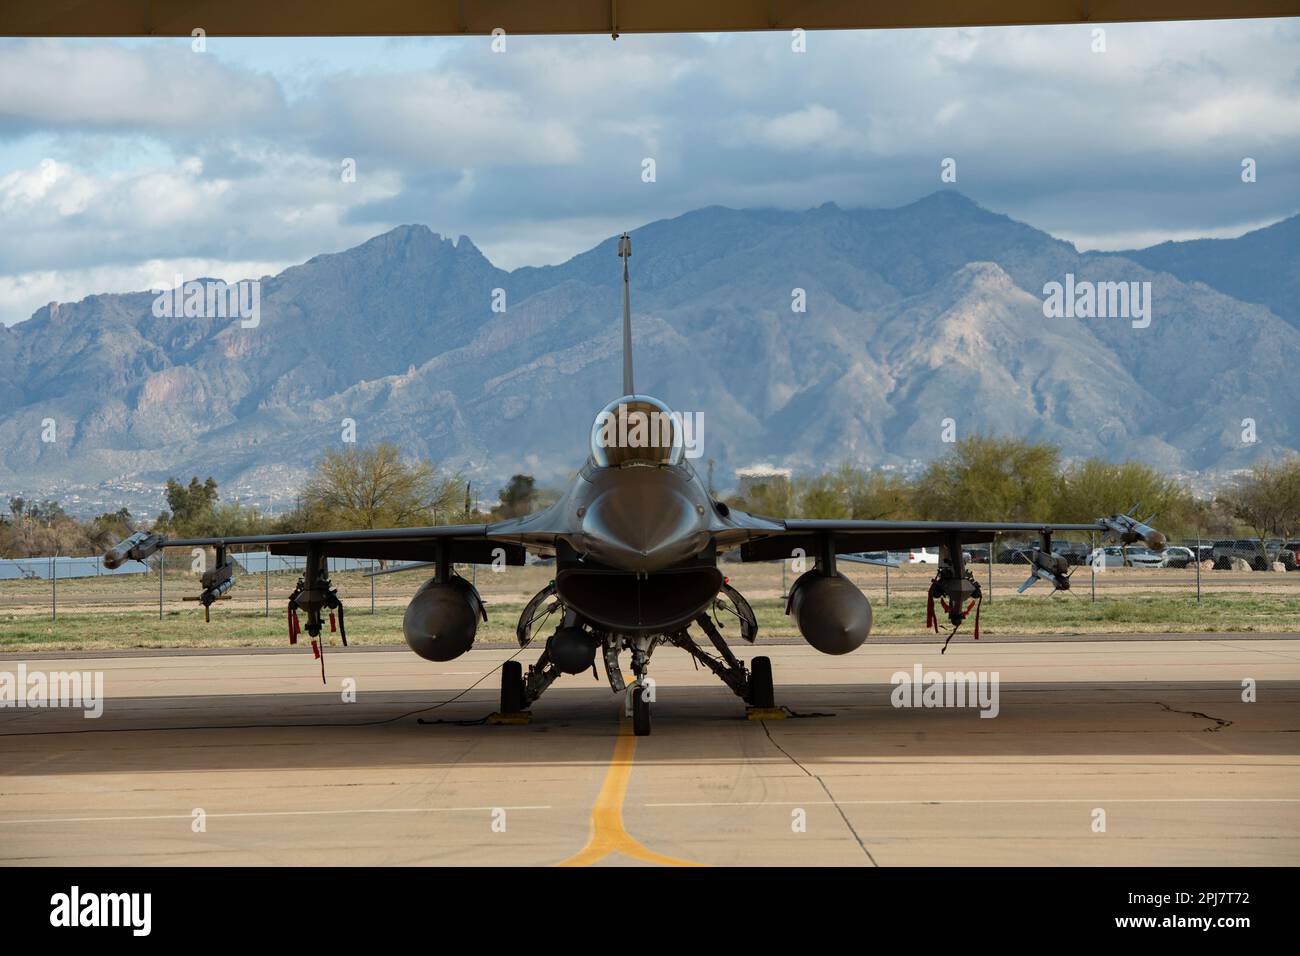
(640, 712)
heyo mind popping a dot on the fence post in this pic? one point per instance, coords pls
(886, 579)
(162, 560)
(1198, 566)
(992, 550)
(54, 587)
(266, 584)
(1092, 547)
(372, 586)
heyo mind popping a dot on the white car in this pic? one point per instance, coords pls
(923, 556)
(1113, 557)
(1177, 556)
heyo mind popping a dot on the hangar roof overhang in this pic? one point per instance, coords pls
(456, 17)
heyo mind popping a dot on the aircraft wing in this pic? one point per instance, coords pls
(767, 539)
(467, 543)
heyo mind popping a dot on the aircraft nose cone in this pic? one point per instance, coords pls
(643, 528)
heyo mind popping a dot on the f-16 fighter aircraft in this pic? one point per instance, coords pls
(636, 541)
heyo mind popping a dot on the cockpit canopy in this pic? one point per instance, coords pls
(636, 429)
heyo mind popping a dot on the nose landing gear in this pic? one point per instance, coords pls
(753, 685)
(640, 710)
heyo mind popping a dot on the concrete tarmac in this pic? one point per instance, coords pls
(1102, 752)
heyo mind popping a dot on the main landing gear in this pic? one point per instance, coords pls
(573, 647)
(513, 700)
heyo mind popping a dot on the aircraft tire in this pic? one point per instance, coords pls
(512, 687)
(640, 713)
(761, 693)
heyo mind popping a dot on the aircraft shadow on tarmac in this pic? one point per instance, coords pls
(577, 726)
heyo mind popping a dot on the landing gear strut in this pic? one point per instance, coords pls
(752, 685)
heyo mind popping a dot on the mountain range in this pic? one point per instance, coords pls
(912, 315)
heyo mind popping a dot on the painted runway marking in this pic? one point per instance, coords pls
(859, 803)
(607, 835)
(641, 850)
(271, 813)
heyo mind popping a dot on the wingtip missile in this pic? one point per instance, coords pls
(1130, 531)
(137, 547)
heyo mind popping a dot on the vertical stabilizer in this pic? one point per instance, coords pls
(625, 253)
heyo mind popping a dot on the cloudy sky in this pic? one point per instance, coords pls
(123, 163)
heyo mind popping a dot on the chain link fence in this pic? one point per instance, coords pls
(1131, 586)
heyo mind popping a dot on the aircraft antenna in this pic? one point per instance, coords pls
(624, 253)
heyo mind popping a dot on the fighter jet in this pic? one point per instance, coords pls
(636, 540)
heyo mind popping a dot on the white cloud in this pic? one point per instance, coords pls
(815, 127)
(153, 152)
(24, 293)
(440, 119)
(1141, 238)
(54, 84)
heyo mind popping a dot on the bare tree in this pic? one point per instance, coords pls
(376, 488)
(1267, 499)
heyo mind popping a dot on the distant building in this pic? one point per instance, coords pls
(747, 479)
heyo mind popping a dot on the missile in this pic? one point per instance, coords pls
(216, 583)
(878, 562)
(135, 548)
(1130, 531)
(1045, 566)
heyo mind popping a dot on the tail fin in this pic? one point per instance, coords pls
(624, 253)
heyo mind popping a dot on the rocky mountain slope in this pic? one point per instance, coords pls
(913, 315)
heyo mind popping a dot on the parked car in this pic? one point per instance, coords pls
(1176, 556)
(1203, 552)
(1293, 549)
(1013, 554)
(1116, 557)
(1075, 552)
(977, 555)
(923, 556)
(1248, 549)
